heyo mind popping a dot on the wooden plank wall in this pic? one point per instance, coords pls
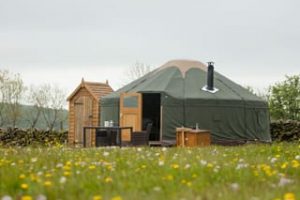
(95, 116)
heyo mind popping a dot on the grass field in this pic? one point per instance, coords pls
(247, 172)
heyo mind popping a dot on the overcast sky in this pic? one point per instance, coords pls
(253, 42)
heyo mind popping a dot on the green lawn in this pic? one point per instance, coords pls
(247, 172)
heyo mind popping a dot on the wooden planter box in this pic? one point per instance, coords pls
(186, 137)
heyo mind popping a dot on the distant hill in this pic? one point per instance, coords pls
(26, 110)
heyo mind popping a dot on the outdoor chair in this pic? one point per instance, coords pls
(140, 138)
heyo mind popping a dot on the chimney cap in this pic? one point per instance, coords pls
(211, 63)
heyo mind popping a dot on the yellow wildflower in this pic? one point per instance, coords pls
(24, 186)
(209, 165)
(116, 198)
(26, 197)
(189, 184)
(97, 197)
(108, 180)
(295, 164)
(92, 167)
(284, 165)
(22, 176)
(66, 173)
(289, 196)
(69, 163)
(67, 167)
(175, 166)
(33, 177)
(170, 177)
(109, 167)
(47, 183)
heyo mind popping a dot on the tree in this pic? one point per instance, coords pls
(12, 89)
(263, 94)
(284, 99)
(34, 98)
(52, 100)
(136, 71)
(3, 81)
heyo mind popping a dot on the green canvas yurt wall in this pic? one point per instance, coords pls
(232, 113)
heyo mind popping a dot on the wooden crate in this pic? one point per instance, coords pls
(186, 137)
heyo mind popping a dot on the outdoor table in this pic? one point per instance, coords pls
(109, 131)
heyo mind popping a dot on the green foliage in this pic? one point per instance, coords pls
(284, 99)
(215, 172)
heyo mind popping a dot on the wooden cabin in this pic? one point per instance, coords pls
(84, 110)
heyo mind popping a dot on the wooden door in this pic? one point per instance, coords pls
(83, 117)
(130, 113)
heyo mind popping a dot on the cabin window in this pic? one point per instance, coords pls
(130, 102)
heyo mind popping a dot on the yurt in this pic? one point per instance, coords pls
(187, 93)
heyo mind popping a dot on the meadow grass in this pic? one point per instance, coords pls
(216, 172)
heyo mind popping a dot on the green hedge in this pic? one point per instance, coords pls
(19, 137)
(285, 130)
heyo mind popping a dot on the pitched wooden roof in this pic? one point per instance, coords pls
(97, 90)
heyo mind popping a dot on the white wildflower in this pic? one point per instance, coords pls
(164, 149)
(139, 149)
(241, 165)
(82, 164)
(235, 186)
(157, 189)
(187, 166)
(297, 157)
(203, 162)
(62, 180)
(214, 151)
(6, 197)
(41, 197)
(216, 170)
(105, 153)
(34, 160)
(59, 165)
(161, 163)
(273, 160)
(284, 181)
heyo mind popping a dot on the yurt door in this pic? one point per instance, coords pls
(130, 113)
(83, 117)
